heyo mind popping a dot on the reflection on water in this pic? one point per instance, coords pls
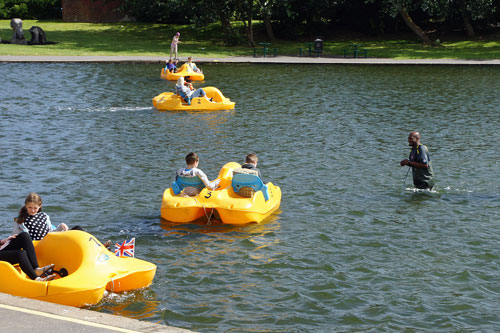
(352, 247)
(138, 304)
(255, 233)
(218, 227)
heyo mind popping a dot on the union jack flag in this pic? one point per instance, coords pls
(125, 249)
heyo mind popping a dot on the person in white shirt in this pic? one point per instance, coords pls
(191, 170)
(187, 94)
(192, 66)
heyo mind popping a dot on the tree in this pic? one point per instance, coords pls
(306, 19)
(266, 9)
(472, 11)
(299, 19)
(414, 27)
(402, 8)
(244, 10)
(30, 9)
(225, 11)
(469, 29)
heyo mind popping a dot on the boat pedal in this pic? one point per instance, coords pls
(62, 272)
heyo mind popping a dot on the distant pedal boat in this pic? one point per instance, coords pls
(169, 101)
(181, 72)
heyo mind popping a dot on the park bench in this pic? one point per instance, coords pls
(356, 51)
(312, 48)
(307, 49)
(265, 50)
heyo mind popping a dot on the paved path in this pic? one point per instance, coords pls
(21, 315)
(261, 60)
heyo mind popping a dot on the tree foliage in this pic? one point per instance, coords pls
(298, 19)
(30, 9)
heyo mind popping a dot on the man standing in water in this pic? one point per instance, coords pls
(420, 163)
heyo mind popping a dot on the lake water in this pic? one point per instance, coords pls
(353, 246)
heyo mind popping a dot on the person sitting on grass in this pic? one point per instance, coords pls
(191, 170)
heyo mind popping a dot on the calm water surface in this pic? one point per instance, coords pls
(352, 248)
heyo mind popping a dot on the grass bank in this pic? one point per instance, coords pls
(145, 39)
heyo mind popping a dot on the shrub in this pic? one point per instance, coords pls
(30, 9)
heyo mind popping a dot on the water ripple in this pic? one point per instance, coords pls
(352, 247)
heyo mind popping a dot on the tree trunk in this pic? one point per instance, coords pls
(249, 27)
(415, 28)
(244, 12)
(227, 30)
(469, 29)
(225, 22)
(269, 28)
(266, 7)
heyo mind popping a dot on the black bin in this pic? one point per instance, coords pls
(318, 44)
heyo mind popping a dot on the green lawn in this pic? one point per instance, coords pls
(131, 38)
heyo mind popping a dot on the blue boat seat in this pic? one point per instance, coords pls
(182, 182)
(242, 180)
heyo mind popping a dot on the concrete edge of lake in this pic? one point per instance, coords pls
(258, 60)
(23, 314)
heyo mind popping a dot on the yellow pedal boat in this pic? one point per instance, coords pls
(240, 199)
(92, 270)
(169, 101)
(181, 72)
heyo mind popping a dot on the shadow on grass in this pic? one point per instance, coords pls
(134, 38)
(129, 38)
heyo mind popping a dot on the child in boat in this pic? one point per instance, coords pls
(32, 220)
(191, 66)
(170, 66)
(188, 94)
(187, 82)
(36, 223)
(191, 170)
(173, 45)
(251, 163)
(19, 249)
